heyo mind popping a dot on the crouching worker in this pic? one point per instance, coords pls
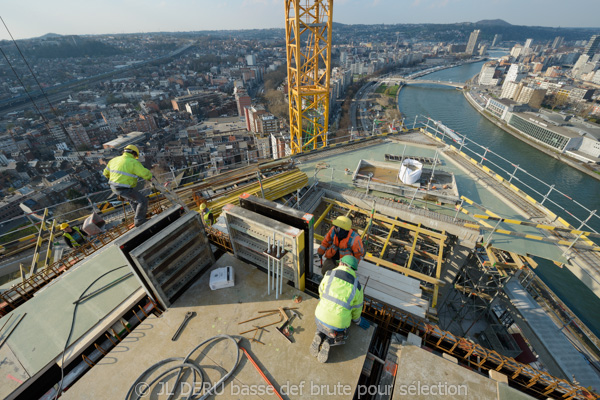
(74, 237)
(340, 304)
(340, 241)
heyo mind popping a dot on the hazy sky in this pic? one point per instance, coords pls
(32, 18)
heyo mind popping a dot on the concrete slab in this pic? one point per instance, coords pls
(40, 337)
(505, 392)
(13, 373)
(288, 365)
(424, 375)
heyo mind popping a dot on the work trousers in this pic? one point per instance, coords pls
(138, 202)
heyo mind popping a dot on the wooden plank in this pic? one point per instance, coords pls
(394, 302)
(404, 270)
(384, 218)
(374, 287)
(393, 278)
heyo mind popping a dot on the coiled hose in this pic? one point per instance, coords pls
(132, 393)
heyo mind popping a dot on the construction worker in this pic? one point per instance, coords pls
(122, 173)
(340, 241)
(207, 215)
(74, 237)
(341, 301)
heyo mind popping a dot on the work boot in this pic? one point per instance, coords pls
(315, 345)
(324, 352)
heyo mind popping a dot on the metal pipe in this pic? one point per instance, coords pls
(484, 154)
(513, 174)
(587, 219)
(547, 194)
(281, 266)
(268, 266)
(458, 209)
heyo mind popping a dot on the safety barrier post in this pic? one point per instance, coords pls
(547, 194)
(513, 174)
(483, 156)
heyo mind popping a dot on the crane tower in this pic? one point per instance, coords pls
(308, 45)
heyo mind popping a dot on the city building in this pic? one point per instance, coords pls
(502, 107)
(242, 100)
(592, 46)
(488, 75)
(251, 60)
(497, 39)
(558, 41)
(473, 40)
(124, 140)
(528, 44)
(516, 73)
(531, 96)
(78, 135)
(516, 51)
(555, 135)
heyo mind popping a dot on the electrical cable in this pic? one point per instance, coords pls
(62, 363)
(185, 363)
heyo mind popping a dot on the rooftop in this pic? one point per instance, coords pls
(220, 312)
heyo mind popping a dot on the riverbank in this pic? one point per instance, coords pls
(570, 162)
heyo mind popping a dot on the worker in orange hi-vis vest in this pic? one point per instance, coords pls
(340, 241)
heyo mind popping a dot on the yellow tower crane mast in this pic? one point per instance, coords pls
(308, 44)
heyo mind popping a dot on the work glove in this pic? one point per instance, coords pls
(363, 323)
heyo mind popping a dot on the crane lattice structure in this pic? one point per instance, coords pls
(308, 43)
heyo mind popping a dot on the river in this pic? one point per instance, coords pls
(451, 108)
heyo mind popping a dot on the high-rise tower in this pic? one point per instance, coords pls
(472, 44)
(592, 46)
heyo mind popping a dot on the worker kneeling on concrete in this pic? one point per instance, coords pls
(341, 303)
(74, 237)
(122, 173)
(340, 241)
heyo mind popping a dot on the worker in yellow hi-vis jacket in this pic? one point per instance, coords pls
(341, 302)
(123, 173)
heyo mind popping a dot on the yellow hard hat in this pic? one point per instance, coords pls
(131, 148)
(64, 225)
(202, 206)
(343, 222)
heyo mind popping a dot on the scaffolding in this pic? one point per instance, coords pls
(391, 243)
(473, 307)
(308, 44)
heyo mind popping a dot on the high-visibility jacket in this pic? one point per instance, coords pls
(341, 298)
(209, 218)
(123, 171)
(351, 245)
(75, 239)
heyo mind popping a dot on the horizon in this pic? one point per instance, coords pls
(157, 16)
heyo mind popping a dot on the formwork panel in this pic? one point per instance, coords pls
(287, 215)
(250, 232)
(168, 261)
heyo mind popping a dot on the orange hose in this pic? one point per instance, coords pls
(261, 373)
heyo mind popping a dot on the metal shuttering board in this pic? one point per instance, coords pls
(287, 215)
(249, 233)
(168, 262)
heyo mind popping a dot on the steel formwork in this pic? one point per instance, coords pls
(478, 283)
(409, 249)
